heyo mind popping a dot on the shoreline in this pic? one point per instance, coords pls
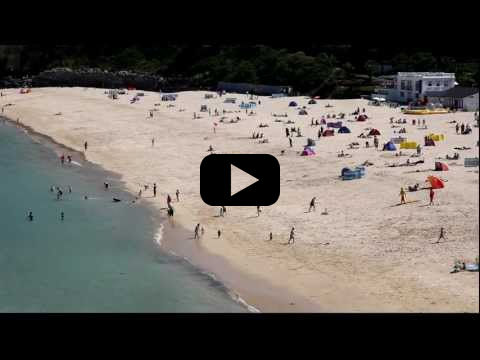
(170, 238)
(364, 268)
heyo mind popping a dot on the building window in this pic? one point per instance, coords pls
(403, 85)
(445, 83)
(429, 83)
(402, 94)
(438, 84)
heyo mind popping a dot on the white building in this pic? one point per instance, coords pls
(458, 97)
(411, 86)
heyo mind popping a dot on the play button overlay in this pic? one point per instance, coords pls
(240, 180)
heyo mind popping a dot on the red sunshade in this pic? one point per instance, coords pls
(435, 182)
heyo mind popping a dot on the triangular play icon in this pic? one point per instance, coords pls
(240, 180)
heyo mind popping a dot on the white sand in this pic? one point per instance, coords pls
(380, 257)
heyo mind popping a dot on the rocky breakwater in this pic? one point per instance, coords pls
(97, 78)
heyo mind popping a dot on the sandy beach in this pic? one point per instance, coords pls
(366, 255)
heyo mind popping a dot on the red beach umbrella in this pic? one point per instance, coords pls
(435, 182)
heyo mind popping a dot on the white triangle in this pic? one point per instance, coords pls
(239, 180)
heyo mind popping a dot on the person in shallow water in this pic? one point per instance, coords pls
(30, 216)
(62, 216)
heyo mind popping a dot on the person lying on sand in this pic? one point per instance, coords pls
(462, 148)
(414, 187)
(343, 154)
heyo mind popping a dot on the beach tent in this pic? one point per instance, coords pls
(169, 97)
(349, 174)
(335, 125)
(374, 132)
(310, 142)
(408, 145)
(389, 146)
(303, 112)
(435, 182)
(436, 137)
(293, 103)
(203, 108)
(361, 118)
(439, 166)
(429, 142)
(308, 151)
(344, 130)
(245, 105)
(328, 132)
(311, 102)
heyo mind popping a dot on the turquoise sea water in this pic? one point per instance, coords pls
(101, 258)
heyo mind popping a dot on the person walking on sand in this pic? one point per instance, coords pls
(312, 205)
(432, 195)
(287, 132)
(202, 231)
(153, 142)
(457, 127)
(169, 199)
(441, 236)
(270, 236)
(197, 228)
(259, 210)
(290, 141)
(291, 239)
(402, 196)
(154, 189)
(375, 141)
(221, 211)
(85, 146)
(219, 233)
(177, 194)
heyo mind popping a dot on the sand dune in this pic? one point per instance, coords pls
(379, 256)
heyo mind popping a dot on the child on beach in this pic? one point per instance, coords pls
(402, 196)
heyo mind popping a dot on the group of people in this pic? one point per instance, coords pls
(403, 194)
(464, 129)
(59, 191)
(63, 157)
